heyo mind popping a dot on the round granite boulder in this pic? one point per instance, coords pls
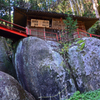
(84, 60)
(10, 89)
(40, 69)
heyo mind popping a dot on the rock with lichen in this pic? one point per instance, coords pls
(41, 70)
(85, 63)
(5, 58)
(10, 89)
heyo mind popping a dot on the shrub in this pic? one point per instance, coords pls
(91, 95)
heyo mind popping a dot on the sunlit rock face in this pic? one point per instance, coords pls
(40, 69)
(10, 89)
(85, 64)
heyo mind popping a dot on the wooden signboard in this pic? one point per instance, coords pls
(39, 23)
(58, 24)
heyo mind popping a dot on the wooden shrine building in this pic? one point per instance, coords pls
(45, 24)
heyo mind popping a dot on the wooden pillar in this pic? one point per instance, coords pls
(44, 34)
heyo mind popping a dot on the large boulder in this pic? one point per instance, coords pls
(40, 69)
(84, 60)
(5, 58)
(10, 89)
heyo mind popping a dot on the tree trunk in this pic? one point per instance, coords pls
(71, 4)
(95, 8)
(76, 7)
(83, 8)
(79, 7)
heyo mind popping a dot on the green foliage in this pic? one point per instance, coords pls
(99, 3)
(63, 6)
(41, 4)
(81, 44)
(64, 50)
(71, 25)
(89, 12)
(95, 29)
(91, 95)
(80, 41)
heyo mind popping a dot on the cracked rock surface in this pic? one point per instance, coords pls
(85, 64)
